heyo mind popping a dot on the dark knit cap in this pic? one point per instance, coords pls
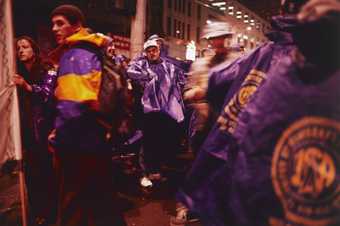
(292, 6)
(72, 13)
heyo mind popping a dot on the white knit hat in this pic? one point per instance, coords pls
(150, 43)
(155, 37)
(216, 29)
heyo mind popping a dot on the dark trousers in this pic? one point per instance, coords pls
(41, 184)
(161, 140)
(86, 190)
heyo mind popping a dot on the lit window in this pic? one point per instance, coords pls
(218, 3)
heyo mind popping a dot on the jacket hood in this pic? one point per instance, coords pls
(82, 35)
(281, 29)
(97, 39)
(319, 42)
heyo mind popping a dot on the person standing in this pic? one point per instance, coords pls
(231, 87)
(219, 35)
(36, 82)
(79, 141)
(163, 108)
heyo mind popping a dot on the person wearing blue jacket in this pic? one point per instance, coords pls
(230, 90)
(163, 108)
(282, 167)
(285, 168)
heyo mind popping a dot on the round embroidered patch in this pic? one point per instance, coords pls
(305, 171)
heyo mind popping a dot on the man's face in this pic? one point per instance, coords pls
(24, 51)
(219, 43)
(152, 53)
(62, 28)
(111, 51)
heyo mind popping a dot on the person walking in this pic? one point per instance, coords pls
(79, 141)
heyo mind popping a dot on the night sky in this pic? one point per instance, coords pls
(264, 8)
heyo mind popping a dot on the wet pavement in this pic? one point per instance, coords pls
(151, 207)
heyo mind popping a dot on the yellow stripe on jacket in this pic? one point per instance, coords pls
(78, 88)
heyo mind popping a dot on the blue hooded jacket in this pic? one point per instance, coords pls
(282, 161)
(230, 89)
(162, 83)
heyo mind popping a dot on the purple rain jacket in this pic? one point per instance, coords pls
(162, 84)
(37, 107)
(286, 168)
(285, 158)
(77, 128)
(230, 89)
(239, 81)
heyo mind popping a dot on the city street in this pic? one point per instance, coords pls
(152, 207)
(169, 112)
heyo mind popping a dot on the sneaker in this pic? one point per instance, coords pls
(183, 217)
(146, 182)
(40, 221)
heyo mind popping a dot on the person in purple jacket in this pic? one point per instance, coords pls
(80, 141)
(36, 81)
(285, 169)
(231, 88)
(163, 109)
(275, 170)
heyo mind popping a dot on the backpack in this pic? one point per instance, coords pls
(113, 96)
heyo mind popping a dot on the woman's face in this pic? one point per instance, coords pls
(24, 50)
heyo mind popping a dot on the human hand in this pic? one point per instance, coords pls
(194, 94)
(315, 9)
(20, 81)
(50, 139)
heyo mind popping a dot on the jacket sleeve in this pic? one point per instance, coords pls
(220, 81)
(181, 79)
(138, 72)
(45, 90)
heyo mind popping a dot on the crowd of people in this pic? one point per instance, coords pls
(263, 126)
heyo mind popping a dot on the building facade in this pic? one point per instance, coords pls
(111, 17)
(179, 21)
(183, 21)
